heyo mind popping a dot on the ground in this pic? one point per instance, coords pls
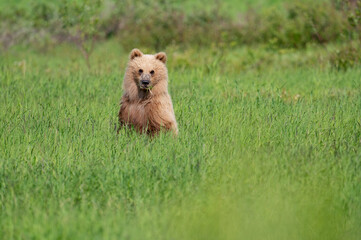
(266, 150)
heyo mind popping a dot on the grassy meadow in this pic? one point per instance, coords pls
(263, 153)
(269, 143)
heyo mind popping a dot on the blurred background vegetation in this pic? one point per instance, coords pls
(267, 95)
(156, 25)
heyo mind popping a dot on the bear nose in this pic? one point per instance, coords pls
(145, 82)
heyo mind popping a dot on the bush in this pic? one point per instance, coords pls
(295, 26)
(347, 57)
(157, 28)
(84, 21)
(80, 20)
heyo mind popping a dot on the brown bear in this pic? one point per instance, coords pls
(146, 104)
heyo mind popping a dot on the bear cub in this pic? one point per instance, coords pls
(146, 104)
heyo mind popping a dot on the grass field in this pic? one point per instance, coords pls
(268, 151)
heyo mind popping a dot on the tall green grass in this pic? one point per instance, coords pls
(261, 154)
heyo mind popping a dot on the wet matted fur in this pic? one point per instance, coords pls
(146, 104)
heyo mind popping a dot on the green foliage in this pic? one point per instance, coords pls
(297, 25)
(347, 57)
(269, 144)
(151, 23)
(158, 24)
(80, 19)
(81, 16)
(267, 152)
(11, 19)
(319, 23)
(354, 17)
(43, 14)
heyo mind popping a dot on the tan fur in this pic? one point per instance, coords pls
(147, 110)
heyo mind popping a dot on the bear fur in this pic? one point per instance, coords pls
(146, 104)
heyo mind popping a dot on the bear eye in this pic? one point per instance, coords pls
(140, 71)
(152, 72)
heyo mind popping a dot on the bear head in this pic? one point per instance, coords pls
(147, 70)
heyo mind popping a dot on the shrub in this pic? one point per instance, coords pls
(15, 26)
(157, 28)
(158, 24)
(80, 20)
(345, 58)
(295, 26)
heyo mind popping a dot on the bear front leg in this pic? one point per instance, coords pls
(122, 113)
(161, 116)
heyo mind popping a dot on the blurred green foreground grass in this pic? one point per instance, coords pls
(264, 151)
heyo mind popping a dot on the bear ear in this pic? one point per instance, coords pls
(161, 57)
(135, 53)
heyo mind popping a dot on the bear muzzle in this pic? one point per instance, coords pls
(144, 82)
